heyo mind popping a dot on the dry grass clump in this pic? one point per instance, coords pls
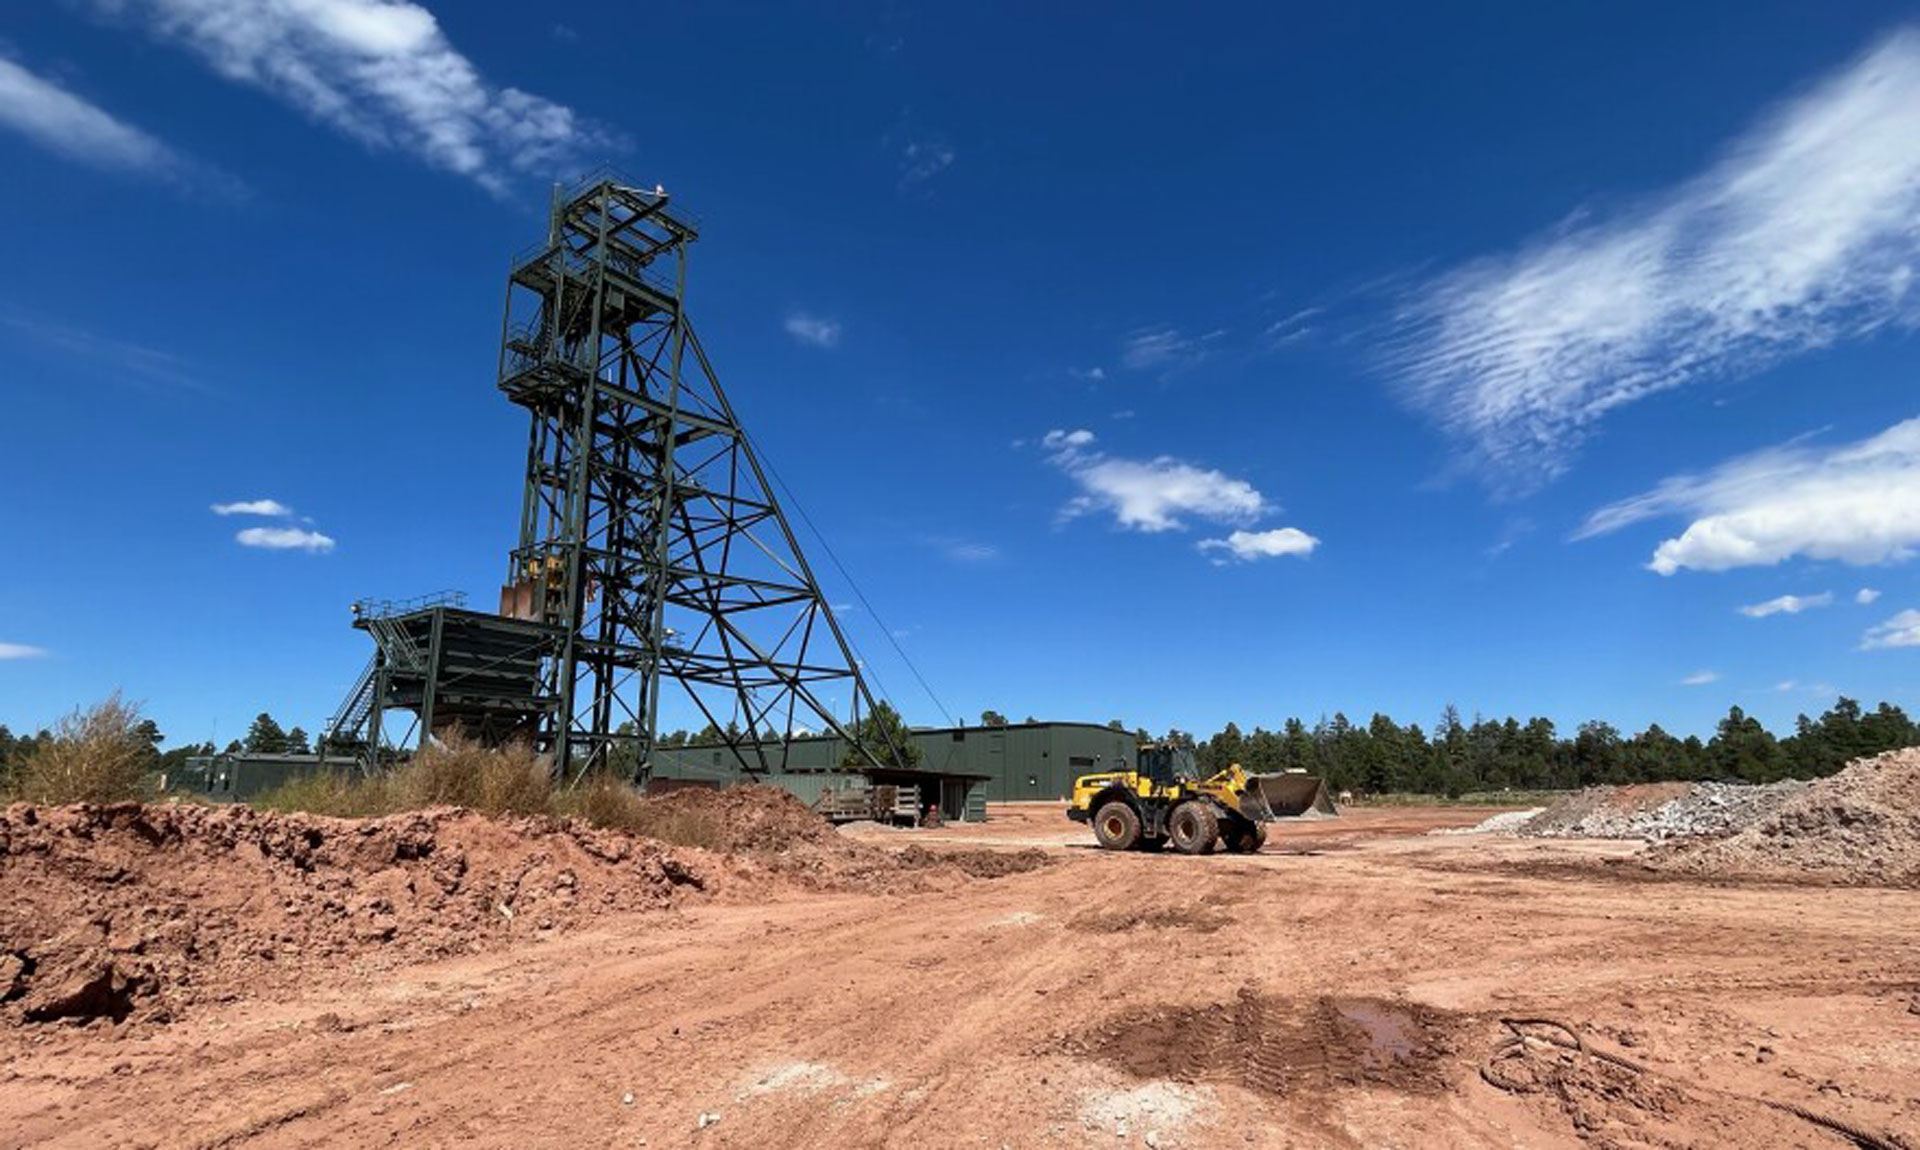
(456, 771)
(459, 772)
(335, 793)
(96, 756)
(605, 801)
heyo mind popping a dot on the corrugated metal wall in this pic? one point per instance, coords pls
(1032, 761)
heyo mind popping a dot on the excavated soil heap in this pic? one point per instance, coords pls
(1859, 827)
(743, 820)
(772, 829)
(132, 911)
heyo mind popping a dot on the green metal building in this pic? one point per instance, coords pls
(1017, 761)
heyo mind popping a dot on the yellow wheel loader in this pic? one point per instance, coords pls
(1163, 800)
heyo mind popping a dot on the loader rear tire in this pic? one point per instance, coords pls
(1194, 828)
(1116, 826)
(1247, 840)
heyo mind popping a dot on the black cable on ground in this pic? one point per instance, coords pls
(1553, 1032)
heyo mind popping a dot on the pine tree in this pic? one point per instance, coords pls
(265, 737)
(886, 736)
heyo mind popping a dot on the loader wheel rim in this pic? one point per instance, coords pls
(1114, 826)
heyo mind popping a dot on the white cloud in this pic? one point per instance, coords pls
(1164, 348)
(21, 651)
(1785, 685)
(1292, 328)
(1149, 494)
(1088, 374)
(962, 550)
(922, 159)
(1249, 545)
(1865, 595)
(1804, 233)
(253, 507)
(129, 363)
(285, 539)
(62, 122)
(1856, 502)
(1787, 605)
(1700, 679)
(813, 330)
(1903, 630)
(381, 71)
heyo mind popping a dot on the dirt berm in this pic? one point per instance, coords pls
(134, 912)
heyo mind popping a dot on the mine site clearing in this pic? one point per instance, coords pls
(1392, 976)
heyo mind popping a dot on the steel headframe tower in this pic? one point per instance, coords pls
(650, 540)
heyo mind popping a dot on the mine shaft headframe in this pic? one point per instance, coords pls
(651, 544)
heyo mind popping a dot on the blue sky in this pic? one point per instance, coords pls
(1174, 365)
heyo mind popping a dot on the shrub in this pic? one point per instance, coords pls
(605, 801)
(95, 756)
(457, 771)
(336, 793)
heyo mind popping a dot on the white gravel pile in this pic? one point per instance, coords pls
(1504, 823)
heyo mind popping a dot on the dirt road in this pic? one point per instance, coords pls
(1342, 988)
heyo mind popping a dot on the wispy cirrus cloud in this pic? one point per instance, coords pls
(1166, 349)
(131, 363)
(1700, 679)
(1804, 233)
(1856, 502)
(382, 72)
(21, 651)
(812, 330)
(1786, 605)
(962, 550)
(68, 125)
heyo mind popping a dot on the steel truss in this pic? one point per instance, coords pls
(650, 541)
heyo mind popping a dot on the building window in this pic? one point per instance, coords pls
(1080, 761)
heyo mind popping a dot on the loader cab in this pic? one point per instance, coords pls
(1166, 765)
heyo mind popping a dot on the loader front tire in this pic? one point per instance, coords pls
(1194, 828)
(1116, 826)
(1247, 840)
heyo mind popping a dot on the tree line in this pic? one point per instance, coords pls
(1488, 754)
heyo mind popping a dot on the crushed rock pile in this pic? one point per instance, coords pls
(1656, 812)
(132, 911)
(1858, 827)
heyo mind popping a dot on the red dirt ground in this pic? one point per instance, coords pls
(1342, 988)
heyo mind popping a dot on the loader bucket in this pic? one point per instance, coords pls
(1292, 794)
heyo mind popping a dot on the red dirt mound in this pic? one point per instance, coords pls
(132, 911)
(741, 820)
